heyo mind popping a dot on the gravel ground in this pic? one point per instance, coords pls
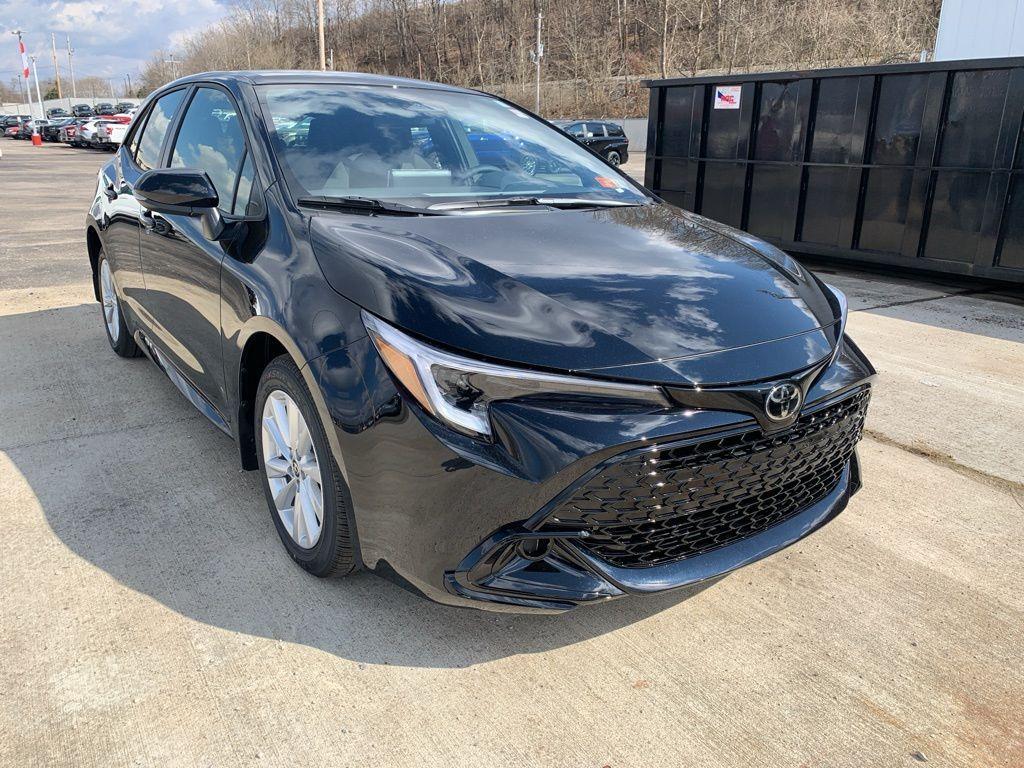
(150, 616)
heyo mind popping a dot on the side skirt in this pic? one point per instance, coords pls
(185, 386)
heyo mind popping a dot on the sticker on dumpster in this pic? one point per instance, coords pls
(727, 96)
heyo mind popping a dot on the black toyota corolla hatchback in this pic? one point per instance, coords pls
(464, 351)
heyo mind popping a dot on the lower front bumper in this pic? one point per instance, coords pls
(569, 576)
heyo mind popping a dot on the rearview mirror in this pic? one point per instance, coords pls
(184, 191)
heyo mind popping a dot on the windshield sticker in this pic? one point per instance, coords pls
(607, 183)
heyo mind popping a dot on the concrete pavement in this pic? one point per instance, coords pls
(148, 614)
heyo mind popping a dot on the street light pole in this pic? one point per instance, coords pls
(537, 54)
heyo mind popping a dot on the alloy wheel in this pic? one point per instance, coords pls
(614, 158)
(293, 471)
(111, 310)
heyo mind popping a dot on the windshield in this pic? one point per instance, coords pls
(422, 147)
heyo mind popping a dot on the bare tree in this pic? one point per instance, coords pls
(596, 51)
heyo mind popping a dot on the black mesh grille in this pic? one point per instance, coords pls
(674, 502)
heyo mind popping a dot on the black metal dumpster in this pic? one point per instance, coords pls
(914, 165)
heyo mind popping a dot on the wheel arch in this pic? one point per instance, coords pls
(261, 341)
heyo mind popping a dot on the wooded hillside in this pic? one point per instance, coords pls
(596, 51)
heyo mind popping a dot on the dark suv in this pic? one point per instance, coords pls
(81, 110)
(607, 139)
(518, 381)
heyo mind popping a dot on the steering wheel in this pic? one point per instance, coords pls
(474, 172)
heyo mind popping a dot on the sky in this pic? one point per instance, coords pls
(111, 38)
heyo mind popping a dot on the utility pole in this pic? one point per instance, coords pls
(323, 44)
(536, 55)
(71, 69)
(56, 66)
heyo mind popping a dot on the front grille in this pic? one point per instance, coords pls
(671, 502)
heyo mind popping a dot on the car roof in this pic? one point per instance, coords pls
(313, 77)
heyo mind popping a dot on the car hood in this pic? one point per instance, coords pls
(647, 293)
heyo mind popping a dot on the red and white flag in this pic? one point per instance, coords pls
(24, 57)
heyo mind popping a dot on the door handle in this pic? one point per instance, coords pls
(109, 192)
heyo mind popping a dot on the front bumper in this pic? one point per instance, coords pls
(461, 521)
(571, 576)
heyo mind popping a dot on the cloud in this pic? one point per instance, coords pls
(110, 37)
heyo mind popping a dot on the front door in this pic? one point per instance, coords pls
(121, 236)
(182, 267)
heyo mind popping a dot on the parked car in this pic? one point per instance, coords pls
(28, 127)
(81, 110)
(56, 113)
(69, 133)
(523, 391)
(11, 125)
(86, 134)
(607, 139)
(51, 132)
(123, 107)
(109, 134)
(104, 108)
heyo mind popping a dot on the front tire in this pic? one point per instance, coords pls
(308, 498)
(118, 335)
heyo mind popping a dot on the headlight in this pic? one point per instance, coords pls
(843, 309)
(458, 391)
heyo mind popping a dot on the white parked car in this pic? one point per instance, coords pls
(109, 134)
(102, 134)
(87, 132)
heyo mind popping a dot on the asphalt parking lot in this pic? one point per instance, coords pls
(148, 614)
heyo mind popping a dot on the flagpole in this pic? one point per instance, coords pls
(24, 71)
(39, 97)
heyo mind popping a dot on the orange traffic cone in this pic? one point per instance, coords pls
(37, 140)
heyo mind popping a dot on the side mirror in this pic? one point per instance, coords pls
(181, 191)
(184, 191)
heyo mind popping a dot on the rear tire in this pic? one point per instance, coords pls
(294, 444)
(614, 158)
(118, 334)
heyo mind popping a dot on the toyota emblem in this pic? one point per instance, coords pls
(783, 401)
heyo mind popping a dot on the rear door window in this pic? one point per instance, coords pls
(155, 130)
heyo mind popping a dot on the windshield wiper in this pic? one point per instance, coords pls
(583, 202)
(490, 202)
(553, 202)
(367, 205)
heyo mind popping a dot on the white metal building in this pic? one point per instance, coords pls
(980, 29)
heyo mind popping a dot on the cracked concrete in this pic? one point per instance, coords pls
(149, 616)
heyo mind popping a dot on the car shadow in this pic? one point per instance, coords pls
(134, 481)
